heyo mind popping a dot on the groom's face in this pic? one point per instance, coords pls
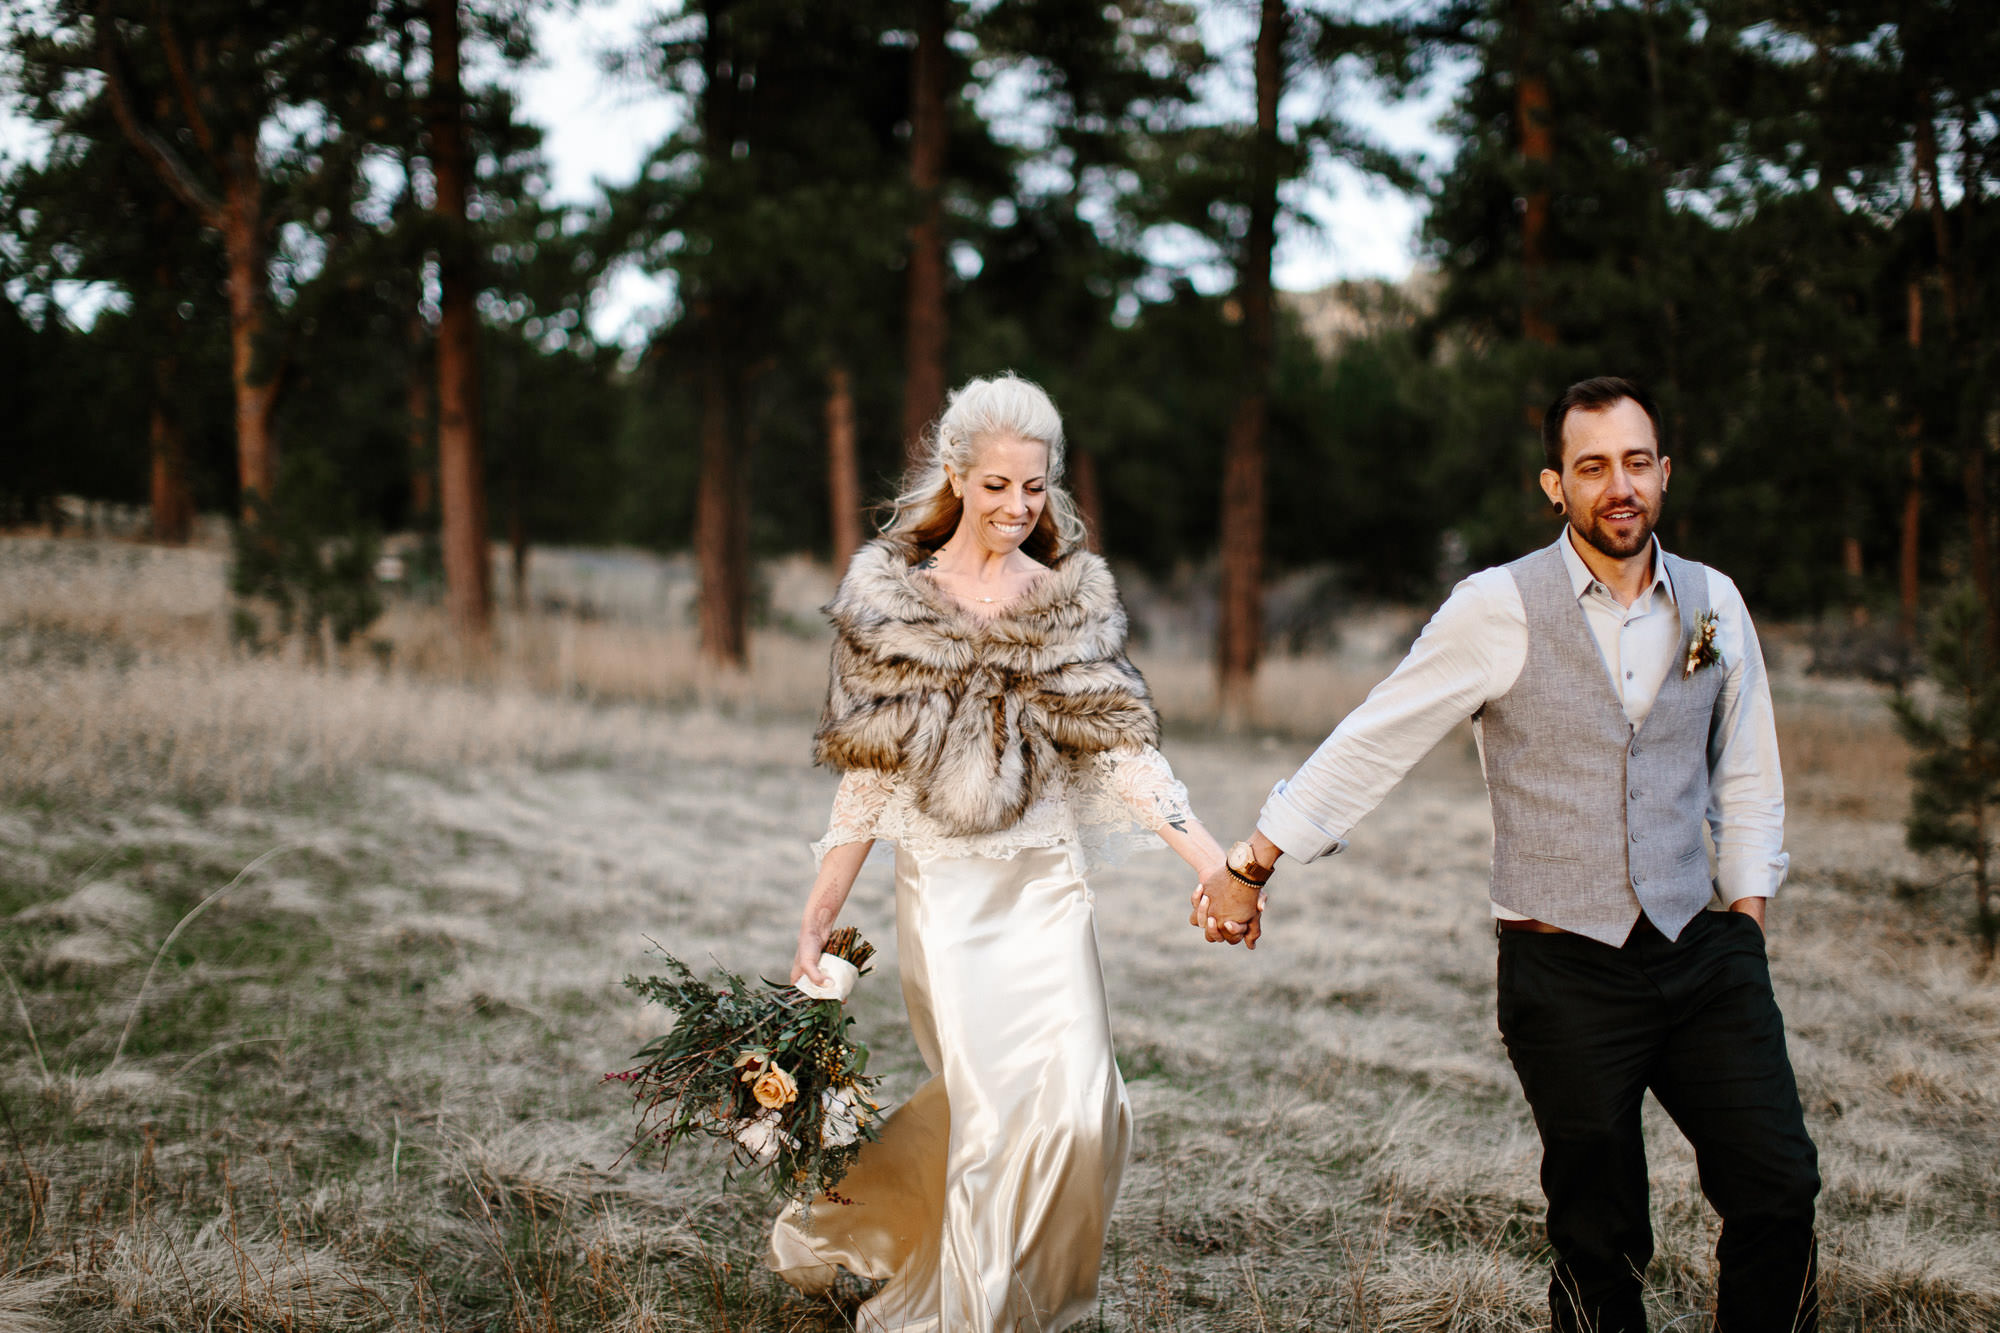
(1612, 479)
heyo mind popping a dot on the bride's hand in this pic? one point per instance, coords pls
(1226, 910)
(805, 963)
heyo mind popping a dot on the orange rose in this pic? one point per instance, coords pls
(774, 1088)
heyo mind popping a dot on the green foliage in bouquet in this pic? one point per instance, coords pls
(766, 1067)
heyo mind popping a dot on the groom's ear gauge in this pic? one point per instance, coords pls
(1551, 481)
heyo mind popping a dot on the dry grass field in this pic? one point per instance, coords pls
(311, 973)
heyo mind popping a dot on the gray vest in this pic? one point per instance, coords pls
(1593, 824)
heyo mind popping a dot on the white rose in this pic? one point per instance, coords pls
(762, 1136)
(841, 1118)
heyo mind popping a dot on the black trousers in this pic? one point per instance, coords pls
(1590, 1028)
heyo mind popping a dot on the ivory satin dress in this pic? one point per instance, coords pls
(985, 1202)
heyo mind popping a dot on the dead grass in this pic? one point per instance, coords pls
(361, 1089)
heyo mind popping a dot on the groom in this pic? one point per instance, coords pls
(1620, 699)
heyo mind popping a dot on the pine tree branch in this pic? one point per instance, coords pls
(177, 66)
(173, 172)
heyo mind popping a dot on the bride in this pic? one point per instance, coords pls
(987, 722)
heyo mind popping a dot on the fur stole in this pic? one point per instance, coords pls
(978, 713)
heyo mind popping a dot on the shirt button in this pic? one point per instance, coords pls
(1628, 675)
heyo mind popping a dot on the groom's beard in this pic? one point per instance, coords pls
(1631, 537)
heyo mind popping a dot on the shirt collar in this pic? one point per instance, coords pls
(1581, 580)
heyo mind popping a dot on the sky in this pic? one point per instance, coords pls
(599, 128)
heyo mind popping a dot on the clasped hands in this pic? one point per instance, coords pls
(1227, 908)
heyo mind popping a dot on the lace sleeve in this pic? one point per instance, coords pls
(1140, 778)
(857, 808)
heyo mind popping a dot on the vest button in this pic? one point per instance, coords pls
(1635, 881)
(1635, 837)
(1635, 752)
(1635, 793)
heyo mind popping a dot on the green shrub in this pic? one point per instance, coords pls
(1957, 764)
(306, 555)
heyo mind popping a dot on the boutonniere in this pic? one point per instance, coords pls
(1701, 646)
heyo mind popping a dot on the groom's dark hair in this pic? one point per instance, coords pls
(1592, 395)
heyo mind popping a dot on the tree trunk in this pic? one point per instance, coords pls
(843, 467)
(722, 499)
(1973, 433)
(1659, 214)
(722, 519)
(925, 328)
(238, 214)
(1089, 498)
(1853, 513)
(172, 501)
(1534, 119)
(420, 424)
(518, 549)
(1987, 924)
(1906, 574)
(1240, 612)
(1979, 513)
(1913, 492)
(461, 467)
(1930, 198)
(252, 353)
(1979, 523)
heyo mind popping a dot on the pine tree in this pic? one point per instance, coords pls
(215, 98)
(777, 207)
(461, 460)
(1955, 807)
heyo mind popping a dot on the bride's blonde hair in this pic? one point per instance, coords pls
(927, 512)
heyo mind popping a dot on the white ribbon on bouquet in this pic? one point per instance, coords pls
(840, 978)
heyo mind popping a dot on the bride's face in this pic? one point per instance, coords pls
(1005, 492)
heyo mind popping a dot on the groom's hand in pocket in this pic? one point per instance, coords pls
(1227, 910)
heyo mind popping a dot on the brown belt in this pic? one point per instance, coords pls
(1532, 927)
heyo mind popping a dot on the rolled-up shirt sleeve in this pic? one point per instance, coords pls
(1471, 652)
(1746, 789)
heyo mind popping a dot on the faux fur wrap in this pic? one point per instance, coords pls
(980, 713)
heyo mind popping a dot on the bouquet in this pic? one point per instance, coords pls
(768, 1068)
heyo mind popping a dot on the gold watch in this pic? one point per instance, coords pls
(1242, 866)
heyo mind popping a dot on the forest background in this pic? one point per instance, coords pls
(317, 253)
